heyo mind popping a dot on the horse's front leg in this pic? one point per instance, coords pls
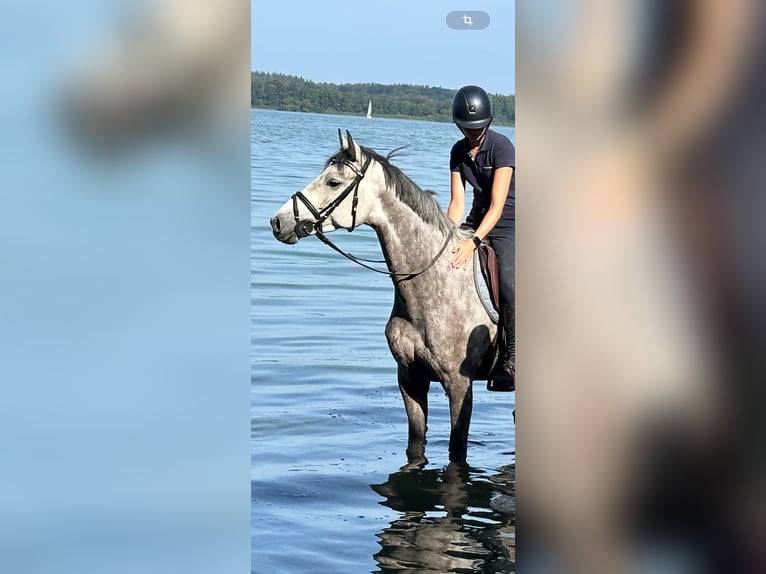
(415, 394)
(460, 393)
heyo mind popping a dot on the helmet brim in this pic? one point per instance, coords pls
(473, 124)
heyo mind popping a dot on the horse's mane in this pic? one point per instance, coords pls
(420, 201)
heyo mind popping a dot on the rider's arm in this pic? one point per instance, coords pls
(500, 185)
(456, 208)
(463, 250)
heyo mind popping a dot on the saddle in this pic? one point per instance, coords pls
(487, 279)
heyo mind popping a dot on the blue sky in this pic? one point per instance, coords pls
(385, 41)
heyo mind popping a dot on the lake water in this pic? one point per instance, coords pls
(328, 426)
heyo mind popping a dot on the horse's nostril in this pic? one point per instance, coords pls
(275, 224)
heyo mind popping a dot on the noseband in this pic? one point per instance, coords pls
(305, 227)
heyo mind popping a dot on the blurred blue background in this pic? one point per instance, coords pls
(124, 287)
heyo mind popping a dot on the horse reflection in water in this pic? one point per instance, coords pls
(438, 329)
(452, 520)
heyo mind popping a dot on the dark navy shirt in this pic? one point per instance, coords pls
(496, 151)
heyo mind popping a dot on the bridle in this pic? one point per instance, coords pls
(305, 227)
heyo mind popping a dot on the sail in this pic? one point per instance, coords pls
(369, 109)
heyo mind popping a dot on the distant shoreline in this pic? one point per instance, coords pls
(395, 101)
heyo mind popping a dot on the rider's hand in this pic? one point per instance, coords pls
(462, 254)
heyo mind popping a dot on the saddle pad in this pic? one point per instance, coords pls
(482, 289)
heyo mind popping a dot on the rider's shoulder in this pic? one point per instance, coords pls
(458, 147)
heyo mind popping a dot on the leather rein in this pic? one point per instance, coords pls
(305, 227)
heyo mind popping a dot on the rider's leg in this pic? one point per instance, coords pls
(502, 377)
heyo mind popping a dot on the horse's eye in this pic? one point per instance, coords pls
(333, 183)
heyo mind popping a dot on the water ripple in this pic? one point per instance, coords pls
(330, 487)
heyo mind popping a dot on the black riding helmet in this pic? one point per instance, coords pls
(471, 108)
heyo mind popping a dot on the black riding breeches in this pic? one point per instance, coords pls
(503, 241)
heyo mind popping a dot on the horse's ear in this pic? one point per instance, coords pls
(351, 146)
(340, 139)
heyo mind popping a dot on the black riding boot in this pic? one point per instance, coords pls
(503, 376)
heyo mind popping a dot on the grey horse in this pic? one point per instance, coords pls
(438, 329)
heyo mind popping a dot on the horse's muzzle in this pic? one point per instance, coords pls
(280, 233)
(275, 225)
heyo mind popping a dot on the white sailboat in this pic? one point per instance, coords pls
(369, 109)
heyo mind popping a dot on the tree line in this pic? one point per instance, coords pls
(294, 94)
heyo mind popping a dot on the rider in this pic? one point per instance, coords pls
(486, 159)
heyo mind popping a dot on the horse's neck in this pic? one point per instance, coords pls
(408, 242)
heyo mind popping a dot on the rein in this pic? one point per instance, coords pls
(392, 274)
(305, 227)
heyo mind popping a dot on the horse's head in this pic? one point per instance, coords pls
(333, 200)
